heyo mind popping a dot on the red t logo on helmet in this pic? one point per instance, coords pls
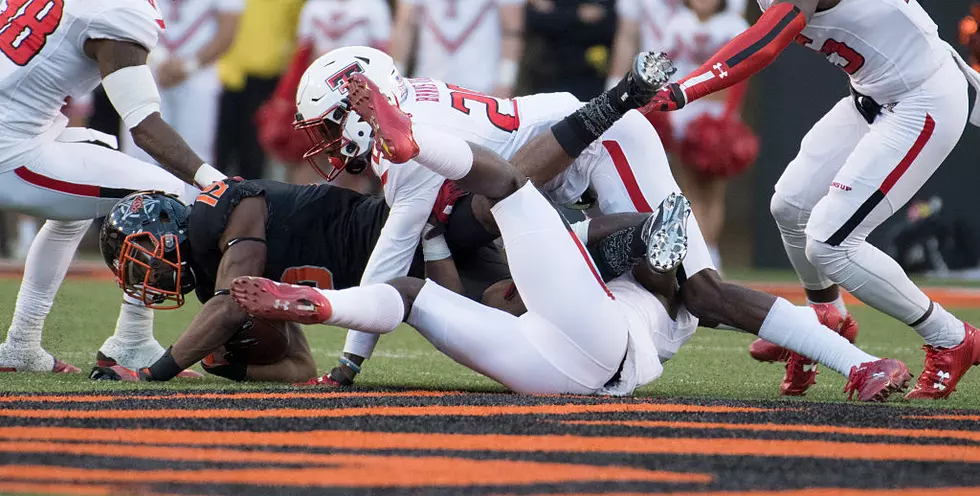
(339, 79)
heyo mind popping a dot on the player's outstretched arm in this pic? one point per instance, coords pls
(747, 54)
(243, 243)
(130, 86)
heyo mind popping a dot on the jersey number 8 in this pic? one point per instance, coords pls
(25, 26)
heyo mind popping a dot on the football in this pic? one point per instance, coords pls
(260, 341)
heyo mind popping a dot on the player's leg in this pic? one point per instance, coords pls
(806, 180)
(630, 173)
(906, 145)
(77, 181)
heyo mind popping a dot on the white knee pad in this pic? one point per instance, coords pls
(830, 260)
(790, 219)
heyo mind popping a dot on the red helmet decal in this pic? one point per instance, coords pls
(339, 79)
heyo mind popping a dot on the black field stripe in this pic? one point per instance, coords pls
(114, 192)
(857, 218)
(765, 40)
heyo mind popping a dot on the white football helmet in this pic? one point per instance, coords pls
(341, 139)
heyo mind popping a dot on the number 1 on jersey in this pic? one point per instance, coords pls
(460, 96)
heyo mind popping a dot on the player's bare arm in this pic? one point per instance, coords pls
(243, 243)
(745, 55)
(130, 86)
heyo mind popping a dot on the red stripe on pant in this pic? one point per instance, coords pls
(865, 209)
(55, 184)
(588, 261)
(622, 165)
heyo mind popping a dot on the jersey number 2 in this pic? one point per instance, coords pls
(504, 122)
(25, 26)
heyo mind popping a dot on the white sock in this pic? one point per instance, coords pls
(838, 304)
(26, 231)
(45, 268)
(135, 322)
(941, 329)
(797, 329)
(375, 308)
(449, 156)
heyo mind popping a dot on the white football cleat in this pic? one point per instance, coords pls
(665, 233)
(32, 359)
(131, 356)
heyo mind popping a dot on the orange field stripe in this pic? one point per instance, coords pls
(948, 296)
(364, 471)
(386, 465)
(967, 418)
(357, 440)
(811, 429)
(379, 411)
(828, 491)
(41, 488)
(244, 395)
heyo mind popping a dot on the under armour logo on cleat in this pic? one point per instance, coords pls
(281, 305)
(943, 376)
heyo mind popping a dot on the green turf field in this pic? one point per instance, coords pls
(714, 364)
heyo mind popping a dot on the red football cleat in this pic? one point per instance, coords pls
(764, 351)
(64, 368)
(279, 301)
(392, 127)
(325, 381)
(944, 367)
(874, 381)
(801, 373)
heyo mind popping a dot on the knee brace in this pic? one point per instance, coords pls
(830, 260)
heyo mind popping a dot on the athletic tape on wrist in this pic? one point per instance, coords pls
(206, 174)
(133, 93)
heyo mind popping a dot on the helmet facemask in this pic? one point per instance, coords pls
(339, 136)
(150, 269)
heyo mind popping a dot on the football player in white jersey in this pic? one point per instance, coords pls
(476, 44)
(863, 161)
(617, 161)
(579, 335)
(52, 50)
(198, 33)
(324, 25)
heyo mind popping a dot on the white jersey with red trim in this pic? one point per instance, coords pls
(410, 189)
(42, 61)
(656, 18)
(192, 24)
(331, 24)
(886, 47)
(459, 41)
(689, 42)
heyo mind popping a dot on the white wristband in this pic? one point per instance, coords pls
(435, 249)
(206, 175)
(507, 72)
